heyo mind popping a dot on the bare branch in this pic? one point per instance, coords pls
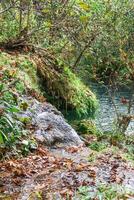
(6, 9)
(84, 49)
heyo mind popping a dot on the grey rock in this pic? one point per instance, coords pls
(55, 129)
(51, 127)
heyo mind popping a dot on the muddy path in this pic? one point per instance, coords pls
(58, 173)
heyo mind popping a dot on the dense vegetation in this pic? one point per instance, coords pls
(96, 36)
(53, 49)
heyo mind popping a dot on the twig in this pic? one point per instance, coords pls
(6, 9)
(84, 49)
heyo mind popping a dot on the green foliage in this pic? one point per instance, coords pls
(78, 95)
(98, 146)
(20, 87)
(87, 127)
(112, 192)
(21, 69)
(37, 195)
(9, 28)
(15, 19)
(27, 146)
(129, 155)
(128, 147)
(12, 88)
(110, 23)
(10, 129)
(67, 91)
(107, 192)
(111, 52)
(115, 137)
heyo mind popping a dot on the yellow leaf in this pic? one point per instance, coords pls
(84, 6)
(48, 24)
(84, 18)
(46, 10)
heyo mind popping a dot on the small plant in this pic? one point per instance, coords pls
(112, 192)
(27, 146)
(9, 129)
(86, 127)
(115, 137)
(20, 87)
(36, 195)
(92, 157)
(98, 146)
(103, 192)
(128, 152)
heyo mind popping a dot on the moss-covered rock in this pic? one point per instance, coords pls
(67, 90)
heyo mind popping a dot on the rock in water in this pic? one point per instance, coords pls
(51, 127)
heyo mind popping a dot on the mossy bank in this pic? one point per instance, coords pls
(62, 87)
(66, 90)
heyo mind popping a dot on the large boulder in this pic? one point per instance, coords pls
(54, 129)
(51, 127)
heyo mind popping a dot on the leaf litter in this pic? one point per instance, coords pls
(58, 173)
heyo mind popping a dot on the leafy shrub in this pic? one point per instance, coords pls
(17, 73)
(10, 129)
(115, 137)
(98, 146)
(86, 127)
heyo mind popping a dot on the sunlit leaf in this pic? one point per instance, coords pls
(84, 18)
(1, 138)
(84, 6)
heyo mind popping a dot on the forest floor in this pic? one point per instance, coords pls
(69, 173)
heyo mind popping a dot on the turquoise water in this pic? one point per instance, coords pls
(110, 104)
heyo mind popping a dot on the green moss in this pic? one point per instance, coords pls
(68, 91)
(21, 67)
(80, 96)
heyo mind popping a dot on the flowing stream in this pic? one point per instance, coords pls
(110, 104)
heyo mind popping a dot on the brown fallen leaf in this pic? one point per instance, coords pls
(17, 181)
(92, 174)
(66, 193)
(19, 172)
(81, 167)
(73, 149)
(42, 151)
(119, 180)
